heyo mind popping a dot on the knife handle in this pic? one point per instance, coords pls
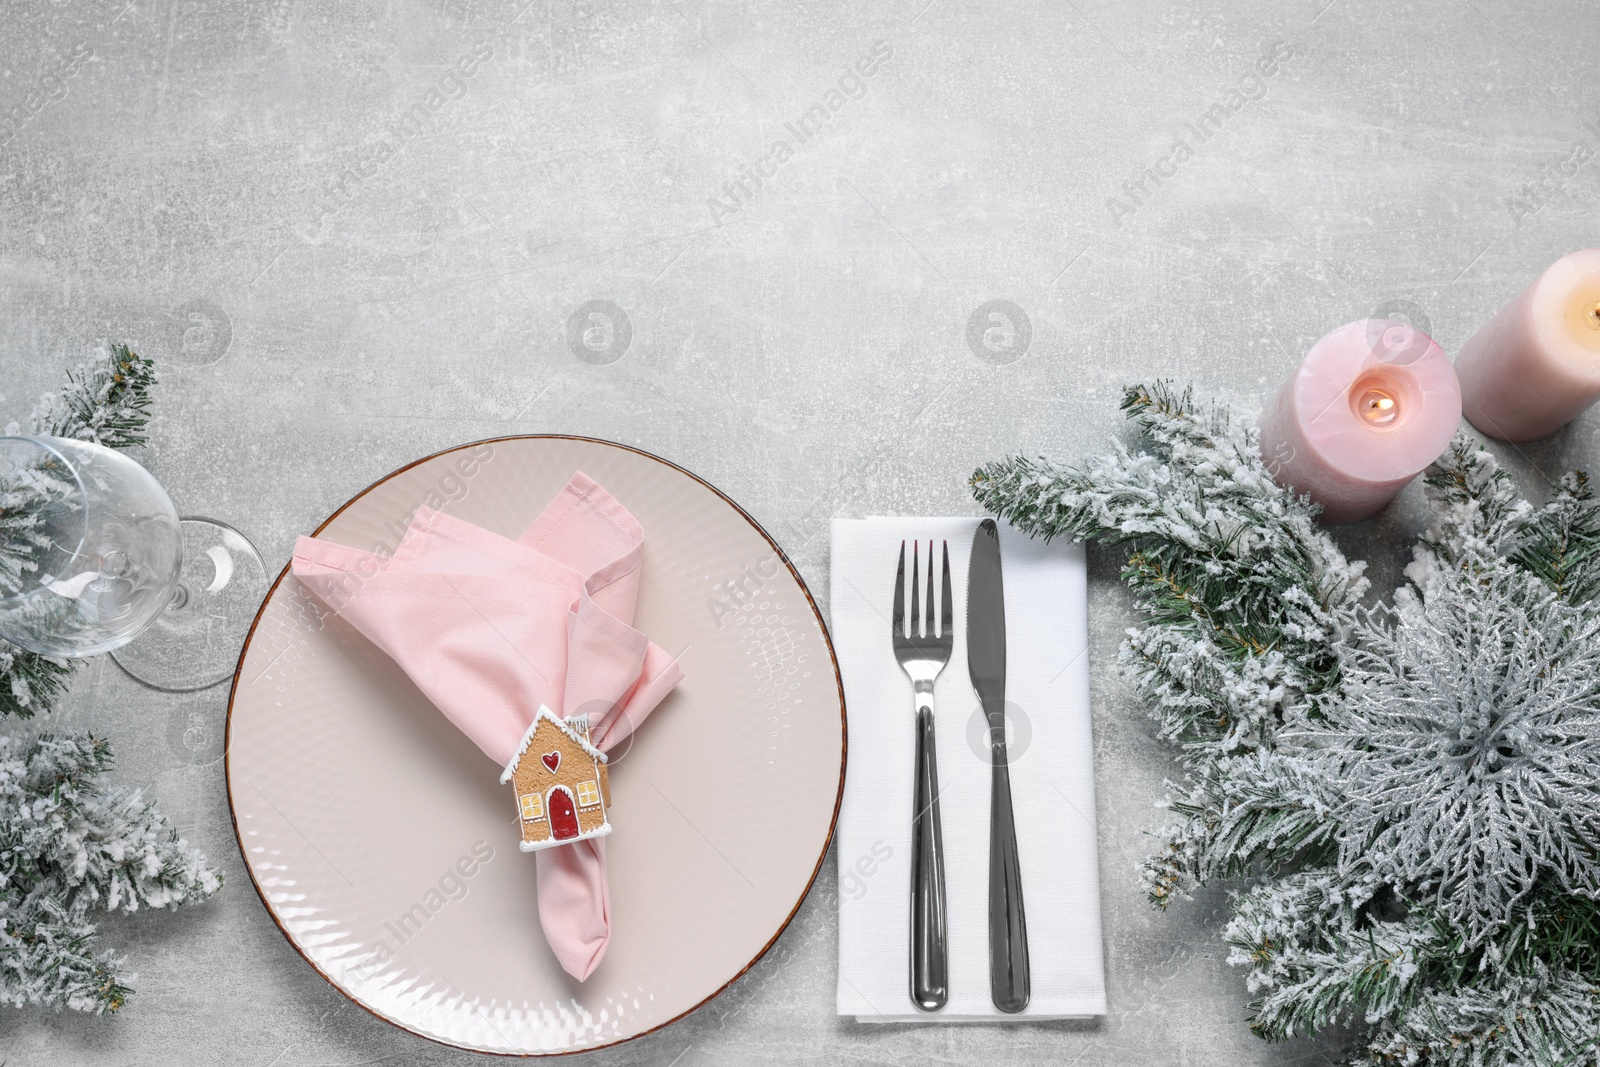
(929, 962)
(1009, 983)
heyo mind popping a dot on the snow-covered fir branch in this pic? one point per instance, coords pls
(70, 850)
(1412, 790)
(106, 400)
(29, 682)
(1243, 595)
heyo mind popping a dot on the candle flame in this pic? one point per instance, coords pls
(1377, 407)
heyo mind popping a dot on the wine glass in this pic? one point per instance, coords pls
(94, 558)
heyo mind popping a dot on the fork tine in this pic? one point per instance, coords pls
(900, 595)
(927, 614)
(945, 627)
(916, 601)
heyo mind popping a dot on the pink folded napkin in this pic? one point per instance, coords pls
(490, 628)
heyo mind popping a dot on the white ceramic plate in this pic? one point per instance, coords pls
(366, 819)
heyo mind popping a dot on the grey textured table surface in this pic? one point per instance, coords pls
(346, 256)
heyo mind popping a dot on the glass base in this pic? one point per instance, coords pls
(195, 642)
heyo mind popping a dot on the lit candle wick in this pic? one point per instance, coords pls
(1377, 407)
(1591, 318)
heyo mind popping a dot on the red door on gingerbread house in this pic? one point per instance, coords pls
(563, 816)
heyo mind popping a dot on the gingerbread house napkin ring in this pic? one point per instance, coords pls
(560, 781)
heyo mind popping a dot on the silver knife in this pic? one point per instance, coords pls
(986, 663)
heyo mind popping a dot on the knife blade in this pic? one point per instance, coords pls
(1009, 981)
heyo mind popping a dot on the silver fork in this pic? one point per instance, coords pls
(922, 656)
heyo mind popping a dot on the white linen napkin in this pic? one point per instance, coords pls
(1052, 779)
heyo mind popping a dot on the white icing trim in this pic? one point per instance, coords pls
(527, 739)
(550, 842)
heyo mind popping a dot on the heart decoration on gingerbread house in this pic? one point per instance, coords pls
(562, 796)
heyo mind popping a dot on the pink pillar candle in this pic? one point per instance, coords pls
(1372, 405)
(1536, 365)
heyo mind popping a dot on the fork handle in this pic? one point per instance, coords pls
(929, 962)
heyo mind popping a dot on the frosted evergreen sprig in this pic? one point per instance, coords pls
(51, 957)
(1541, 1018)
(1254, 806)
(72, 850)
(1243, 596)
(1414, 790)
(1320, 950)
(1560, 544)
(69, 850)
(106, 400)
(26, 491)
(29, 682)
(1478, 506)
